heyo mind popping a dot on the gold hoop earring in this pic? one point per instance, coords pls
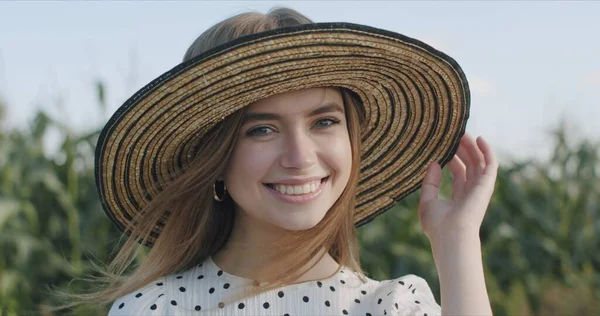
(215, 196)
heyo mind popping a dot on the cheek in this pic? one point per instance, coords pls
(339, 152)
(249, 162)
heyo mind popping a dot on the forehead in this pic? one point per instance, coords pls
(298, 101)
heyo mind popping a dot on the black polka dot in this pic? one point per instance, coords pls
(332, 289)
(200, 277)
(327, 303)
(174, 303)
(153, 307)
(266, 305)
(364, 292)
(161, 295)
(396, 304)
(197, 307)
(159, 284)
(345, 312)
(384, 312)
(226, 285)
(425, 314)
(182, 289)
(368, 314)
(211, 290)
(357, 301)
(401, 282)
(379, 301)
(286, 314)
(410, 286)
(179, 276)
(241, 306)
(417, 302)
(319, 284)
(413, 291)
(200, 265)
(280, 294)
(342, 281)
(220, 273)
(305, 299)
(121, 306)
(138, 295)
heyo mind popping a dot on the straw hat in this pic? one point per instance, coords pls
(416, 100)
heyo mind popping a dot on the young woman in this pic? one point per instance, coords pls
(247, 167)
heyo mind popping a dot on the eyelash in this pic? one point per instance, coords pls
(334, 121)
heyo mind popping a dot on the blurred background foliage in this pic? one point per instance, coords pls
(540, 236)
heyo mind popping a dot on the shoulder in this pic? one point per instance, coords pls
(149, 300)
(406, 295)
(159, 297)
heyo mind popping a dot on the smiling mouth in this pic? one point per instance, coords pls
(307, 188)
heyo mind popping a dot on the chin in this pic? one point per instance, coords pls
(299, 225)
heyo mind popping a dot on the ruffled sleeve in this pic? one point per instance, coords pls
(407, 296)
(150, 300)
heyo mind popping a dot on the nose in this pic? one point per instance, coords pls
(299, 151)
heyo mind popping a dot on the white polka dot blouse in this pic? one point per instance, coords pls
(202, 289)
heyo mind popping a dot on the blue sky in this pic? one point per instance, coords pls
(528, 63)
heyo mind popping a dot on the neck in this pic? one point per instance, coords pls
(246, 253)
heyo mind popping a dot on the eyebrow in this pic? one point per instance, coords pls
(265, 116)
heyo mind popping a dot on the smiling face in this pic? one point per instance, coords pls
(292, 160)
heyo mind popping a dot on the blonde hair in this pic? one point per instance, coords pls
(198, 226)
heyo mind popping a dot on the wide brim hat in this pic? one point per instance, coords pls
(416, 100)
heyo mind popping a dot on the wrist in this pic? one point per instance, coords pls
(454, 243)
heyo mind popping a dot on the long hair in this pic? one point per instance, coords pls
(198, 226)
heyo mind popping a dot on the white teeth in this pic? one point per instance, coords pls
(297, 189)
(305, 188)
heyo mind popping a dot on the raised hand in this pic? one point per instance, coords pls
(474, 169)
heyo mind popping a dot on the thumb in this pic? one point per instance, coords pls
(431, 183)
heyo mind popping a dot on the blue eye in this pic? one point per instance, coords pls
(253, 132)
(331, 120)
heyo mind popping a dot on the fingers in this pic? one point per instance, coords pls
(477, 157)
(473, 158)
(470, 153)
(466, 159)
(491, 162)
(431, 183)
(459, 177)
